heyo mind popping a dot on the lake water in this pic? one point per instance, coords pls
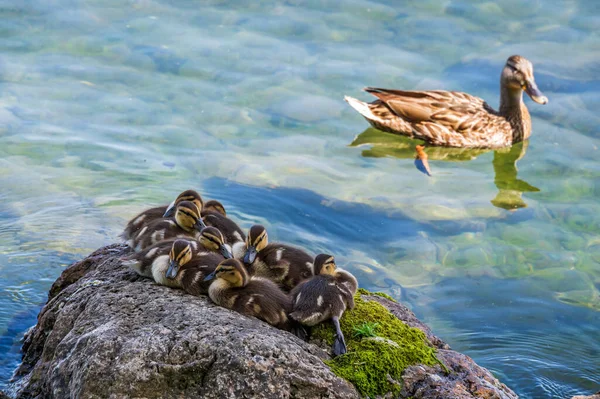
(108, 107)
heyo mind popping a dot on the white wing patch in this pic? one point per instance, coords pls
(139, 220)
(320, 300)
(151, 253)
(298, 297)
(238, 236)
(142, 231)
(158, 235)
(278, 254)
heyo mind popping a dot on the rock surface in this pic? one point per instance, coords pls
(106, 332)
(594, 396)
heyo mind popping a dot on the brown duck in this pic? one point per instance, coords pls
(455, 119)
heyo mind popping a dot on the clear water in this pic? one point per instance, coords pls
(108, 107)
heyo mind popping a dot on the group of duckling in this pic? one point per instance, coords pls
(192, 245)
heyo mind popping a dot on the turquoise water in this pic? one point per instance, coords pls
(108, 107)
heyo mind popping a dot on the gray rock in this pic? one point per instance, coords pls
(107, 333)
(594, 396)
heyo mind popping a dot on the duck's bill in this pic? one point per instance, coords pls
(250, 255)
(226, 252)
(536, 95)
(200, 225)
(170, 210)
(210, 277)
(172, 270)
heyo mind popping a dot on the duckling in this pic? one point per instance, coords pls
(325, 296)
(214, 206)
(210, 240)
(234, 289)
(188, 270)
(280, 263)
(152, 214)
(213, 214)
(186, 223)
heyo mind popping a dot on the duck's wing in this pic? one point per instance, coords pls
(441, 116)
(458, 111)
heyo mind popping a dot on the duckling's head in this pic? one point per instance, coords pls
(324, 264)
(517, 75)
(214, 206)
(232, 271)
(212, 239)
(187, 216)
(187, 195)
(181, 253)
(256, 241)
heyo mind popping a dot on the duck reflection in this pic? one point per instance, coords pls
(510, 189)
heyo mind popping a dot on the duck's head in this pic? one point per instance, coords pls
(256, 241)
(187, 195)
(517, 75)
(232, 271)
(181, 253)
(324, 264)
(214, 206)
(187, 216)
(212, 239)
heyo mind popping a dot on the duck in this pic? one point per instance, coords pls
(186, 223)
(325, 296)
(143, 263)
(178, 263)
(187, 270)
(280, 263)
(455, 119)
(150, 215)
(213, 214)
(213, 206)
(233, 288)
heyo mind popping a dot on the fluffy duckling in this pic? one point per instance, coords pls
(213, 206)
(325, 296)
(152, 214)
(234, 289)
(210, 240)
(178, 263)
(213, 214)
(280, 263)
(186, 223)
(188, 270)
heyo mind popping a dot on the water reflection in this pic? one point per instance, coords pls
(510, 188)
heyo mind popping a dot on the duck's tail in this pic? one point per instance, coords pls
(380, 116)
(361, 107)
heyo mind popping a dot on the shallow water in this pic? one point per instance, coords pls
(108, 107)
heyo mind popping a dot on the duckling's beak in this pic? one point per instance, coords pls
(250, 255)
(172, 270)
(226, 252)
(210, 276)
(199, 224)
(532, 90)
(170, 210)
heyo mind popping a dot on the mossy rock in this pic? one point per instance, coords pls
(375, 365)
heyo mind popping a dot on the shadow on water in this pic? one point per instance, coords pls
(510, 188)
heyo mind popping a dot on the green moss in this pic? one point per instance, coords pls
(369, 361)
(363, 291)
(365, 330)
